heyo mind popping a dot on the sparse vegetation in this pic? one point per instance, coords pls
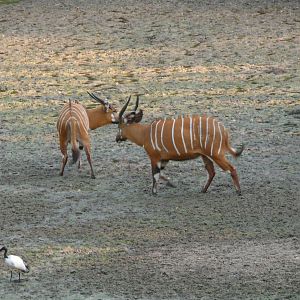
(109, 238)
(8, 1)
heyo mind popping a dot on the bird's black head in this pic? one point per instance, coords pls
(3, 248)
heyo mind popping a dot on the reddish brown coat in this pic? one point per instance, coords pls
(73, 126)
(183, 138)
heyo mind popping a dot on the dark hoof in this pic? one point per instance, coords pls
(170, 184)
(203, 191)
(240, 149)
(93, 177)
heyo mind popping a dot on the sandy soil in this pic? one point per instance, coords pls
(109, 238)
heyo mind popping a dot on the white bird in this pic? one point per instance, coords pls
(14, 263)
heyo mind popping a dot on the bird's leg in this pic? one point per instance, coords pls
(10, 275)
(19, 277)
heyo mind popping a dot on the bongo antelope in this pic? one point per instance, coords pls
(73, 124)
(184, 138)
(15, 263)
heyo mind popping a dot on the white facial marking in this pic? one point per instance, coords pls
(120, 133)
(113, 119)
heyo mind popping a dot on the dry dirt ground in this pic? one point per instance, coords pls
(109, 238)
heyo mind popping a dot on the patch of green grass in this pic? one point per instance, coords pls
(8, 1)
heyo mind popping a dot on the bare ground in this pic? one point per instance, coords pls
(109, 238)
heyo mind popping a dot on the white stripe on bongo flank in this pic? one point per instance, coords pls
(81, 114)
(64, 120)
(61, 120)
(64, 112)
(161, 135)
(206, 139)
(173, 137)
(182, 136)
(213, 141)
(151, 136)
(77, 112)
(81, 117)
(156, 136)
(194, 131)
(191, 133)
(200, 132)
(58, 124)
(220, 138)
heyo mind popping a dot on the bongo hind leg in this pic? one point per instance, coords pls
(87, 149)
(209, 166)
(64, 152)
(227, 166)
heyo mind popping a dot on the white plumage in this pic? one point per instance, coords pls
(15, 263)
